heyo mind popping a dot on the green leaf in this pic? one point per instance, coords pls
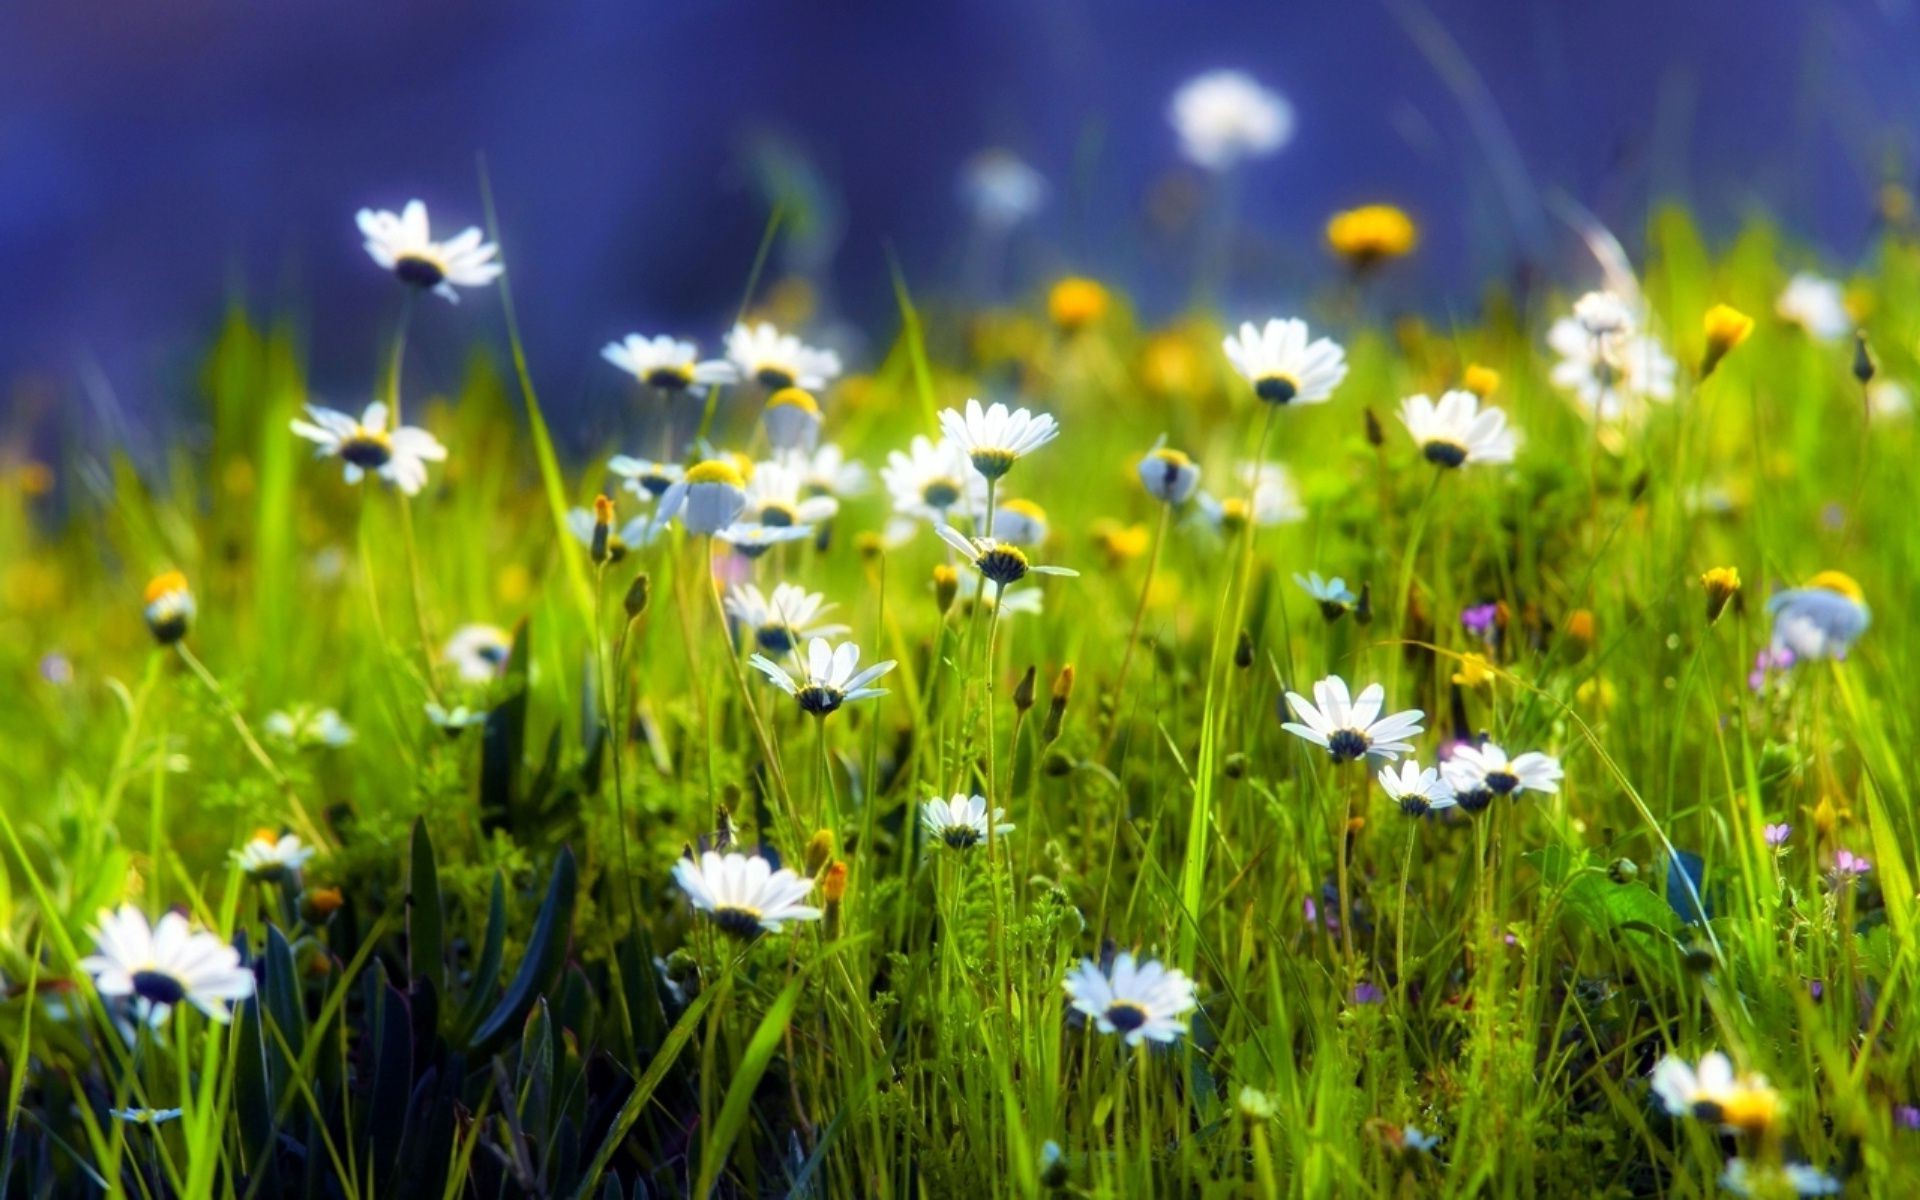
(426, 949)
(486, 973)
(546, 951)
(746, 1077)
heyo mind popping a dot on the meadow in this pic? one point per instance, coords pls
(448, 817)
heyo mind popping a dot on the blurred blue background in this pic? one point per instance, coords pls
(156, 160)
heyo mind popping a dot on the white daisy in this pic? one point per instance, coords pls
(1604, 314)
(1275, 501)
(1282, 365)
(165, 964)
(1743, 1178)
(1140, 1000)
(1817, 305)
(743, 894)
(1610, 374)
(1457, 431)
(668, 364)
(753, 539)
(478, 652)
(776, 495)
(1169, 475)
(270, 858)
(169, 607)
(778, 360)
(780, 622)
(828, 471)
(645, 478)
(452, 720)
(402, 244)
(995, 438)
(792, 419)
(399, 456)
(145, 1116)
(636, 534)
(1417, 790)
(831, 676)
(1021, 522)
(1332, 595)
(1003, 563)
(1820, 620)
(934, 482)
(973, 589)
(961, 823)
(1478, 773)
(1001, 190)
(1715, 1092)
(1223, 117)
(1352, 728)
(707, 499)
(304, 726)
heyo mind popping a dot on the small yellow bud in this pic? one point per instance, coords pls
(834, 884)
(1075, 303)
(1721, 584)
(1372, 234)
(1474, 671)
(819, 851)
(946, 585)
(1725, 327)
(1481, 381)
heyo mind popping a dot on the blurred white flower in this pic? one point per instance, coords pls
(1000, 189)
(1223, 117)
(1817, 305)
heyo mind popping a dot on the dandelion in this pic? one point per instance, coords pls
(1351, 728)
(478, 653)
(934, 481)
(169, 607)
(1474, 671)
(743, 894)
(1000, 189)
(779, 623)
(164, 964)
(1021, 522)
(403, 245)
(962, 822)
(399, 456)
(645, 478)
(1074, 303)
(1417, 790)
(1720, 583)
(1725, 328)
(1140, 1000)
(269, 858)
(1169, 475)
(830, 679)
(1371, 234)
(707, 499)
(1283, 366)
(1481, 381)
(303, 726)
(997, 437)
(1457, 430)
(1479, 773)
(778, 360)
(1333, 596)
(1715, 1092)
(667, 364)
(1817, 305)
(1744, 1178)
(792, 419)
(1820, 620)
(1225, 117)
(776, 495)
(1001, 562)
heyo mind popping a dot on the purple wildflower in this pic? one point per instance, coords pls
(1777, 835)
(1480, 620)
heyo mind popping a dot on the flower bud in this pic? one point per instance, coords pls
(946, 585)
(1721, 584)
(602, 548)
(1726, 327)
(169, 608)
(1023, 691)
(639, 592)
(317, 904)
(819, 851)
(1243, 650)
(1376, 436)
(1057, 706)
(1862, 359)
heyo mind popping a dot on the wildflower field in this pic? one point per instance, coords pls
(1069, 753)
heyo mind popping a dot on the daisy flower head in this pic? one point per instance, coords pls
(1332, 595)
(399, 456)
(636, 534)
(792, 420)
(1001, 189)
(1274, 501)
(145, 1116)
(830, 677)
(934, 481)
(1021, 522)
(1479, 773)
(169, 609)
(270, 858)
(1283, 365)
(779, 623)
(1610, 370)
(961, 823)
(753, 539)
(158, 966)
(1169, 475)
(304, 726)
(1744, 1178)
(451, 721)
(1603, 314)
(1822, 619)
(743, 894)
(778, 360)
(1715, 1092)
(1000, 562)
(707, 499)
(1141, 1000)
(996, 437)
(1457, 430)
(1351, 727)
(827, 471)
(1224, 117)
(1817, 305)
(971, 589)
(1417, 790)
(645, 478)
(668, 364)
(401, 243)
(777, 495)
(478, 653)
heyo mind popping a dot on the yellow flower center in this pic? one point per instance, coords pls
(715, 470)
